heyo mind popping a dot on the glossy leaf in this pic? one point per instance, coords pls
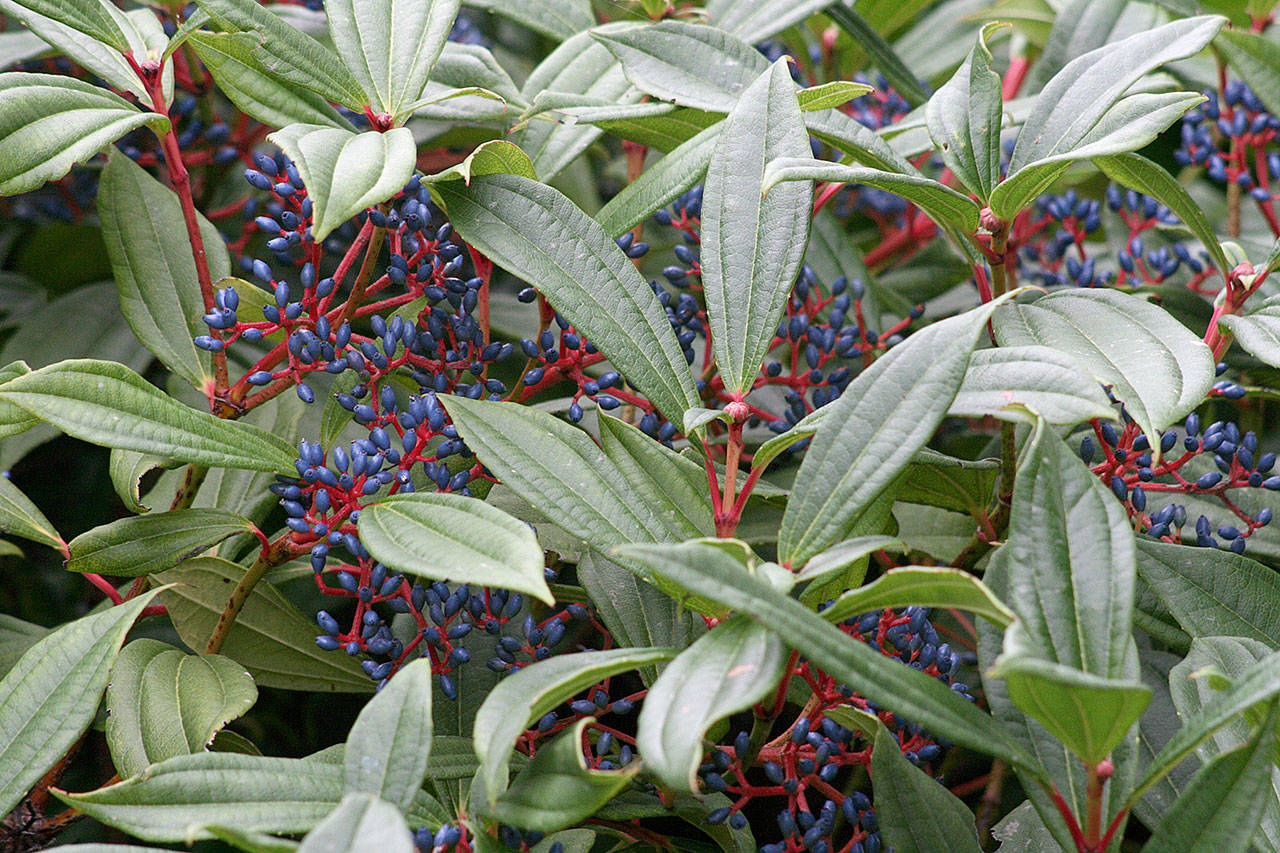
(51, 695)
(536, 233)
(1139, 173)
(106, 403)
(270, 638)
(757, 20)
(889, 685)
(178, 799)
(287, 52)
(1154, 365)
(20, 517)
(390, 744)
(943, 204)
(964, 119)
(140, 545)
(557, 789)
(1006, 382)
(916, 813)
(391, 45)
(346, 172)
(1212, 592)
(163, 702)
(558, 19)
(526, 695)
(921, 585)
(752, 244)
(873, 430)
(457, 538)
(91, 17)
(495, 157)
(1221, 807)
(731, 668)
(154, 271)
(362, 823)
(51, 122)
(1079, 26)
(232, 60)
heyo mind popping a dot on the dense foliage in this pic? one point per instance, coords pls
(552, 426)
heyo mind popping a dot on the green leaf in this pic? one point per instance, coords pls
(1139, 173)
(667, 481)
(757, 20)
(232, 60)
(734, 666)
(362, 823)
(1258, 331)
(872, 432)
(14, 420)
(580, 67)
(1259, 683)
(346, 172)
(1006, 381)
(1222, 806)
(179, 799)
(154, 270)
(557, 789)
(1090, 714)
(51, 122)
(1256, 59)
(881, 53)
(891, 686)
(528, 694)
(143, 544)
(106, 403)
(691, 65)
(289, 53)
(457, 538)
(270, 638)
(558, 19)
(964, 119)
(829, 95)
(391, 45)
(495, 157)
(915, 812)
(390, 743)
(1079, 26)
(537, 234)
(1212, 592)
(20, 517)
(1132, 123)
(752, 244)
(1153, 364)
(841, 556)
(91, 17)
(943, 204)
(51, 695)
(127, 469)
(660, 184)
(923, 585)
(163, 702)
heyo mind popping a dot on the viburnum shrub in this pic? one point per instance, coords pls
(566, 426)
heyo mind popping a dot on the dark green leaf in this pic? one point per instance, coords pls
(91, 17)
(127, 469)
(660, 184)
(882, 54)
(270, 638)
(557, 789)
(51, 695)
(915, 812)
(659, 477)
(752, 244)
(536, 233)
(20, 517)
(140, 545)
(1256, 59)
(453, 537)
(51, 122)
(729, 669)
(390, 744)
(106, 403)
(163, 702)
(526, 695)
(922, 585)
